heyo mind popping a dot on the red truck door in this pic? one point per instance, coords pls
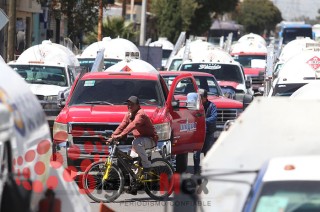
(188, 123)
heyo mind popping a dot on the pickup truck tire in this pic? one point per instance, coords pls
(181, 162)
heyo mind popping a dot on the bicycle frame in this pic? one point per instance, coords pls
(117, 153)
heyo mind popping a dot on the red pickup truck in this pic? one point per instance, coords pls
(97, 103)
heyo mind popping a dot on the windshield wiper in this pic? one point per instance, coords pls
(99, 103)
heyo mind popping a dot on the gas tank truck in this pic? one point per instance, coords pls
(48, 68)
(114, 51)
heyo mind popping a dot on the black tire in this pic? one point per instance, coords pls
(181, 163)
(107, 191)
(161, 171)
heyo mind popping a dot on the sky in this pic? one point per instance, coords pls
(291, 9)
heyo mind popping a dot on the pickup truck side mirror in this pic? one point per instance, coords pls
(248, 82)
(192, 102)
(247, 99)
(62, 96)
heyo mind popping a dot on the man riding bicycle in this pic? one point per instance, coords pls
(145, 135)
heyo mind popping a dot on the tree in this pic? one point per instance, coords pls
(258, 15)
(172, 16)
(114, 27)
(192, 16)
(207, 9)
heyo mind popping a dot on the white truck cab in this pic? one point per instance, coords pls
(286, 184)
(27, 171)
(228, 72)
(296, 72)
(48, 68)
(232, 165)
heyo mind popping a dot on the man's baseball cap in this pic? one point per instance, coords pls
(133, 99)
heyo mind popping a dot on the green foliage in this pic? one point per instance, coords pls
(258, 15)
(192, 16)
(173, 16)
(82, 17)
(114, 27)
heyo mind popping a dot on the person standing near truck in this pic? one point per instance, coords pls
(211, 118)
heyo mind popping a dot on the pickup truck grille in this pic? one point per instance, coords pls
(257, 80)
(226, 114)
(87, 136)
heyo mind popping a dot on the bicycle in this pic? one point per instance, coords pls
(104, 181)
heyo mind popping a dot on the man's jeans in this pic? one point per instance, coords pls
(209, 141)
(139, 146)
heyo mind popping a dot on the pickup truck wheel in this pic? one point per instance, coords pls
(182, 163)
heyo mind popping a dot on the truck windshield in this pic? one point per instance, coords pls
(289, 196)
(37, 74)
(290, 34)
(286, 89)
(204, 82)
(246, 60)
(116, 92)
(222, 72)
(88, 62)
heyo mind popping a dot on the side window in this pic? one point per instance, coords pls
(185, 86)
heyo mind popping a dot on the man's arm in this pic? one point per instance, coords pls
(138, 120)
(122, 125)
(212, 111)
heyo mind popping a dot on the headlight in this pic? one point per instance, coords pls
(51, 98)
(50, 102)
(60, 132)
(163, 131)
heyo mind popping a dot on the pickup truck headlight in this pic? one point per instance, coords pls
(50, 102)
(163, 131)
(60, 132)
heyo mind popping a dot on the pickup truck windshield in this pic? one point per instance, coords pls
(222, 72)
(116, 92)
(290, 196)
(88, 62)
(36, 74)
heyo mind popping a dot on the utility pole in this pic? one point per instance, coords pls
(11, 30)
(100, 20)
(143, 23)
(131, 6)
(124, 9)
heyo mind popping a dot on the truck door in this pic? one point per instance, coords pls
(188, 123)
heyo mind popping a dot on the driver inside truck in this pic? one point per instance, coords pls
(139, 123)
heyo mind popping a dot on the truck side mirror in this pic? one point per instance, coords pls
(175, 104)
(247, 99)
(62, 96)
(248, 82)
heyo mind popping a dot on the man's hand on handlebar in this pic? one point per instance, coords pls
(113, 138)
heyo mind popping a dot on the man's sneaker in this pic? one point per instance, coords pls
(132, 190)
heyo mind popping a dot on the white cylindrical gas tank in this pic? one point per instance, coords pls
(117, 48)
(164, 43)
(132, 65)
(48, 52)
(253, 37)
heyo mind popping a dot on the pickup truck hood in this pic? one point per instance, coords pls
(253, 71)
(224, 102)
(228, 84)
(46, 90)
(101, 113)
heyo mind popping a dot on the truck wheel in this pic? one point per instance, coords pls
(181, 163)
